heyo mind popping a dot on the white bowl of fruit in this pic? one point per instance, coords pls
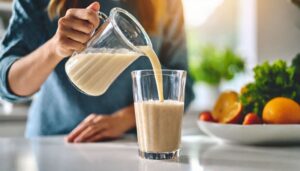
(266, 111)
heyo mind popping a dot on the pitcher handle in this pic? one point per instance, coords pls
(102, 16)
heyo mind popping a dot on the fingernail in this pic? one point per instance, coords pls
(67, 139)
(77, 140)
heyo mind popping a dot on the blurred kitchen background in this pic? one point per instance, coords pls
(226, 39)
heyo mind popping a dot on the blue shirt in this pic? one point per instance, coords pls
(58, 107)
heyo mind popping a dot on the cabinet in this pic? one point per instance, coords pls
(5, 6)
(13, 124)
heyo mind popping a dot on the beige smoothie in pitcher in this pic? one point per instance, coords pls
(93, 73)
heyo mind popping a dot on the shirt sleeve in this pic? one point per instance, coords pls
(23, 35)
(174, 49)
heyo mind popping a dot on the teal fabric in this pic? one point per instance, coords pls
(58, 107)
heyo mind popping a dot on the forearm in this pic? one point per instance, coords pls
(26, 75)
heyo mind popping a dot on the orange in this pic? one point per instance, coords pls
(281, 110)
(227, 108)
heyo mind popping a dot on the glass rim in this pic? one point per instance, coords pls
(113, 13)
(151, 71)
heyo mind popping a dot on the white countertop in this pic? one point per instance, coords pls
(199, 153)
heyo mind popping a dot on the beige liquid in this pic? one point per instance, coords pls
(159, 125)
(156, 69)
(93, 73)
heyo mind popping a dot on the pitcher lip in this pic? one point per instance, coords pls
(113, 12)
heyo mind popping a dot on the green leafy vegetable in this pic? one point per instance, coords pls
(216, 65)
(271, 80)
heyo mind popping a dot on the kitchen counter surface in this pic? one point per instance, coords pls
(199, 153)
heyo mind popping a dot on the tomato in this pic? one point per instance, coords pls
(206, 116)
(251, 119)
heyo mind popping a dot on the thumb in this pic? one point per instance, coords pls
(95, 6)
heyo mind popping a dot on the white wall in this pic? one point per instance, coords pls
(221, 27)
(278, 30)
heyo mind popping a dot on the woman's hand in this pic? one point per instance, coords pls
(74, 30)
(100, 127)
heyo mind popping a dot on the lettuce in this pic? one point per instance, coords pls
(271, 80)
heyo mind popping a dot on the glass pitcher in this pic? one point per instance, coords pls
(112, 48)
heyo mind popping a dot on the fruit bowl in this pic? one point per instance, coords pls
(262, 134)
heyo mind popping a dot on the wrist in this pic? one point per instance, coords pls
(52, 54)
(127, 117)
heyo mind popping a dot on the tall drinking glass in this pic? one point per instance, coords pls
(159, 123)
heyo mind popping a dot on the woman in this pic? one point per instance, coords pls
(36, 47)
